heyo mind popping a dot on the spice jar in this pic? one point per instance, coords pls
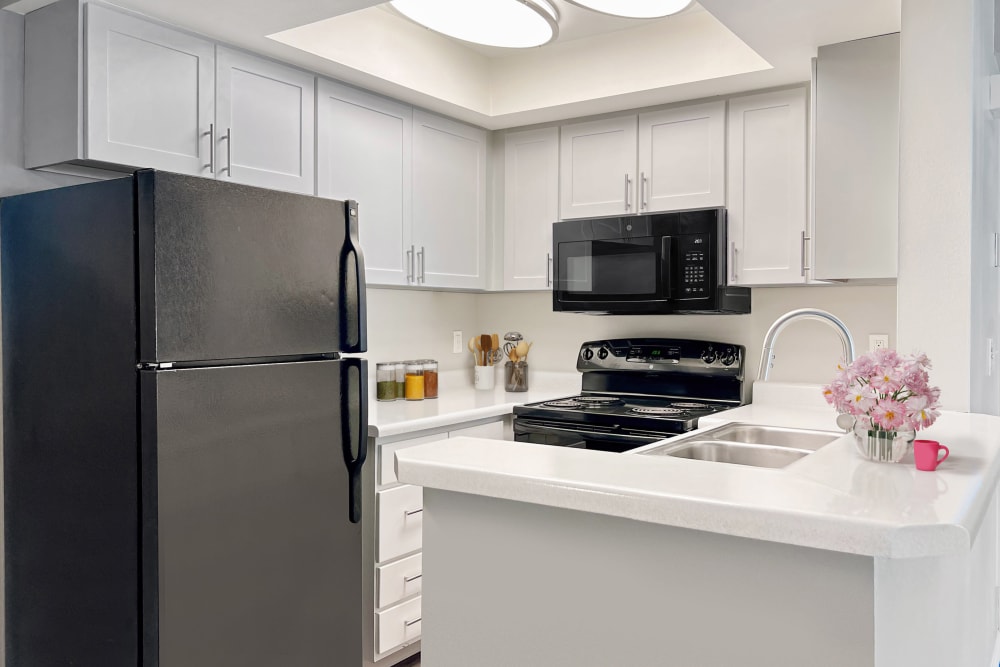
(430, 378)
(385, 381)
(414, 382)
(400, 379)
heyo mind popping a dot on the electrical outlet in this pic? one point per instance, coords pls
(875, 341)
(456, 342)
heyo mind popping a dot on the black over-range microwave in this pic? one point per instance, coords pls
(659, 263)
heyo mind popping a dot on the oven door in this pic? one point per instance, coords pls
(605, 439)
(601, 271)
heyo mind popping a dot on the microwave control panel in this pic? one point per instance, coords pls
(694, 254)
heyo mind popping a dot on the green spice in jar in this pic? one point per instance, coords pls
(385, 381)
(400, 369)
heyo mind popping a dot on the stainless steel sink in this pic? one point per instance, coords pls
(748, 444)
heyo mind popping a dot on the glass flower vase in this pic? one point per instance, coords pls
(877, 444)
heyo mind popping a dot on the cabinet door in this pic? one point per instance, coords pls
(449, 202)
(531, 205)
(682, 158)
(150, 94)
(364, 154)
(265, 129)
(597, 164)
(767, 188)
(857, 159)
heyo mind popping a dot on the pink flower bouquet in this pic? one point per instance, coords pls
(886, 391)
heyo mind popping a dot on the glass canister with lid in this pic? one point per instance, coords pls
(414, 380)
(400, 368)
(385, 381)
(430, 378)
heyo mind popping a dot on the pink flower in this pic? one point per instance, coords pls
(886, 357)
(920, 413)
(863, 366)
(862, 399)
(889, 414)
(885, 380)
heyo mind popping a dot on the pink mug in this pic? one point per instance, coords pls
(925, 454)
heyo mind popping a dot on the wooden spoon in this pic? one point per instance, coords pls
(486, 342)
(472, 349)
(479, 350)
(522, 350)
(497, 355)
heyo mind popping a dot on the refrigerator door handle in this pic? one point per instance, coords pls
(354, 429)
(353, 325)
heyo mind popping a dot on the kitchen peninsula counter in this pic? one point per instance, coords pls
(832, 560)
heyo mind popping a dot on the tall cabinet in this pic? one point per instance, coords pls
(531, 184)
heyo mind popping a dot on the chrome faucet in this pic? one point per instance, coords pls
(767, 354)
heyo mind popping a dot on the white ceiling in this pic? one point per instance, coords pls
(599, 64)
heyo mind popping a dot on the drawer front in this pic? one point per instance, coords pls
(386, 460)
(398, 625)
(400, 521)
(399, 580)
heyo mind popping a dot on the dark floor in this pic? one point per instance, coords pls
(412, 661)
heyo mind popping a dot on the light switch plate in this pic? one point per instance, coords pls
(456, 342)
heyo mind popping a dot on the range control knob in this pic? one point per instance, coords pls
(729, 358)
(708, 356)
(603, 353)
(588, 354)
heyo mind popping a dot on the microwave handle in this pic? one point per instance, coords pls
(666, 266)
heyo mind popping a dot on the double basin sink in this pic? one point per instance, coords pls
(748, 444)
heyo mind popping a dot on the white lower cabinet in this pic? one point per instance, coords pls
(398, 580)
(394, 537)
(398, 625)
(400, 521)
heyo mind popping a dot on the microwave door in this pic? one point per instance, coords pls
(667, 267)
(609, 270)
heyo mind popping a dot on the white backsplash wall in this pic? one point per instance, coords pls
(808, 351)
(417, 324)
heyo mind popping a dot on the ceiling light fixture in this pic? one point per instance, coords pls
(634, 9)
(506, 23)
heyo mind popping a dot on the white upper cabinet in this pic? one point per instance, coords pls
(146, 97)
(364, 154)
(449, 202)
(857, 159)
(106, 89)
(767, 210)
(597, 166)
(531, 181)
(265, 126)
(682, 158)
(150, 93)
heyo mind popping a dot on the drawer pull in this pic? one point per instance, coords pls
(407, 580)
(412, 512)
(413, 622)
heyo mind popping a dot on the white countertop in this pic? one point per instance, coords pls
(458, 401)
(832, 499)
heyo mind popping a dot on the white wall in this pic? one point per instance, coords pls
(807, 351)
(935, 193)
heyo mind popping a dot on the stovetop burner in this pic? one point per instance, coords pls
(658, 411)
(585, 402)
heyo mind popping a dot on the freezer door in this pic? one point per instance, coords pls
(229, 271)
(251, 544)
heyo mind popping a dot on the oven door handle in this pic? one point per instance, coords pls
(530, 426)
(666, 266)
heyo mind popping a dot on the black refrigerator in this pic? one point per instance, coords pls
(183, 440)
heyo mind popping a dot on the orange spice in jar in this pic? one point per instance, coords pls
(413, 389)
(430, 378)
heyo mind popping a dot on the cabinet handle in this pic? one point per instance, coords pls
(413, 622)
(996, 250)
(628, 189)
(407, 580)
(643, 204)
(229, 152)
(412, 512)
(548, 269)
(803, 254)
(211, 148)
(409, 266)
(732, 258)
(421, 260)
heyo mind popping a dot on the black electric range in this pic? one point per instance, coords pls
(635, 392)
